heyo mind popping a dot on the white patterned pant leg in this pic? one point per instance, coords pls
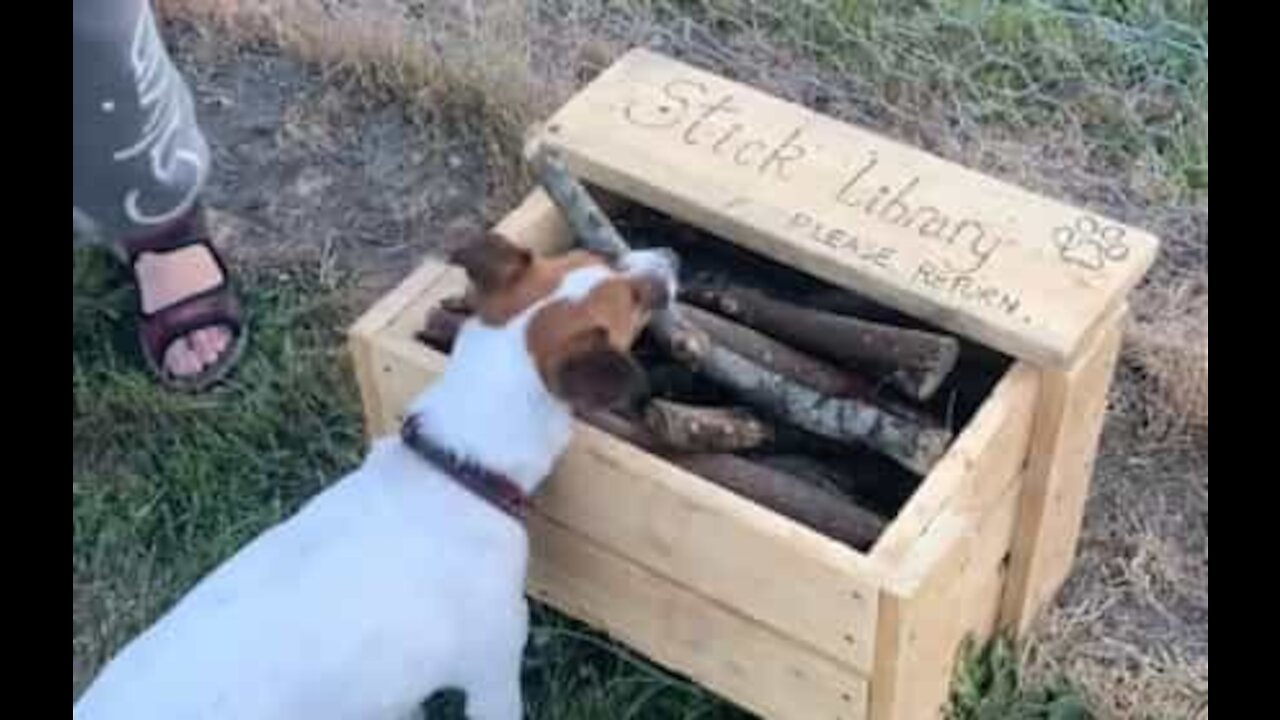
(139, 159)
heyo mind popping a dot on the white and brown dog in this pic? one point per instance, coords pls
(400, 579)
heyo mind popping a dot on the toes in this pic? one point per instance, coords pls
(210, 343)
(181, 359)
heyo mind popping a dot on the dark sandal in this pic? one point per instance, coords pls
(216, 307)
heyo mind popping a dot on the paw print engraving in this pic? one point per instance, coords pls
(1090, 243)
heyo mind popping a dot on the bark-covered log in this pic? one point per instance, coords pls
(818, 508)
(917, 361)
(696, 428)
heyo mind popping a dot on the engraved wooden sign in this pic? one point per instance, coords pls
(1020, 272)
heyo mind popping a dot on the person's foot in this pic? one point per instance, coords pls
(189, 319)
(166, 279)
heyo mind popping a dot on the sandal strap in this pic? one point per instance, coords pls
(191, 230)
(216, 308)
(222, 287)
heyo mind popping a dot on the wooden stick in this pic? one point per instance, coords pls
(785, 360)
(831, 514)
(820, 509)
(773, 355)
(915, 447)
(583, 213)
(674, 380)
(870, 485)
(807, 469)
(695, 428)
(843, 302)
(919, 360)
(623, 428)
(441, 328)
(460, 303)
(797, 366)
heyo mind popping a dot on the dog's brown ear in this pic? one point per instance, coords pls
(492, 262)
(592, 374)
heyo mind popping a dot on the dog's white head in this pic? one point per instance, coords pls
(575, 314)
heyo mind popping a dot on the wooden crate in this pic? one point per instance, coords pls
(759, 609)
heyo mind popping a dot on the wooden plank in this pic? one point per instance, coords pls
(947, 557)
(720, 649)
(980, 464)
(451, 282)
(393, 303)
(719, 544)
(362, 337)
(924, 621)
(361, 349)
(536, 224)
(1064, 446)
(984, 258)
(402, 370)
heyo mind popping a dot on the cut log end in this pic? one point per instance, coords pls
(692, 428)
(441, 328)
(922, 384)
(928, 448)
(815, 507)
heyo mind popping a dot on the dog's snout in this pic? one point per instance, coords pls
(670, 259)
(660, 261)
(660, 265)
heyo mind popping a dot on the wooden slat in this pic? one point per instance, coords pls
(978, 467)
(402, 370)
(362, 351)
(452, 281)
(365, 333)
(537, 224)
(923, 623)
(1064, 446)
(984, 258)
(720, 649)
(393, 304)
(946, 558)
(723, 546)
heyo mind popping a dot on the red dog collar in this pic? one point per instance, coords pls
(495, 488)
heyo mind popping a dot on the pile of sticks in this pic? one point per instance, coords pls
(798, 375)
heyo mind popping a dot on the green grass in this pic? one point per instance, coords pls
(988, 686)
(1127, 80)
(167, 485)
